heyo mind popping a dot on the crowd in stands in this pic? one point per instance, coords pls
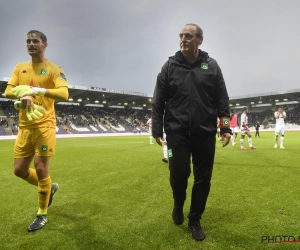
(87, 116)
(4, 122)
(293, 115)
(130, 119)
(9, 116)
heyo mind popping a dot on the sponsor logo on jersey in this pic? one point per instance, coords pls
(62, 76)
(43, 72)
(204, 66)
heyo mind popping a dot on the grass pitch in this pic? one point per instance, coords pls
(115, 194)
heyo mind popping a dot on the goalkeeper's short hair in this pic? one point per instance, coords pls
(39, 34)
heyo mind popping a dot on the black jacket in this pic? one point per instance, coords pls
(188, 98)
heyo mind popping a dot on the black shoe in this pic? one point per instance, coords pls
(196, 230)
(177, 215)
(165, 160)
(54, 188)
(38, 223)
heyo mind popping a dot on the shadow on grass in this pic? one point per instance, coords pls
(82, 227)
(226, 227)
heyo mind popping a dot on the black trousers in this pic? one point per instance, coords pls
(181, 148)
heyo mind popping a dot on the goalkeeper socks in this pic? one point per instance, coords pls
(32, 177)
(42, 212)
(250, 141)
(44, 190)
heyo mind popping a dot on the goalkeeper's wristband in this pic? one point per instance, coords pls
(224, 122)
(40, 91)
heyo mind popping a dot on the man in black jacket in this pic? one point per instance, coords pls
(189, 95)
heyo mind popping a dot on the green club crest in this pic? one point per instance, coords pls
(44, 148)
(170, 154)
(43, 72)
(204, 66)
(226, 122)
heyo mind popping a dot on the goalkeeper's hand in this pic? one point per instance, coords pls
(25, 90)
(34, 113)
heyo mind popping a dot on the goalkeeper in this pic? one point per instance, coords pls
(36, 85)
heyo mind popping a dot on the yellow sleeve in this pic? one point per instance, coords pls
(59, 78)
(61, 93)
(13, 82)
(8, 92)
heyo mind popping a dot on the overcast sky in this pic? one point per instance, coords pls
(122, 44)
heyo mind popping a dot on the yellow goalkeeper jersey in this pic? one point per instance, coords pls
(46, 75)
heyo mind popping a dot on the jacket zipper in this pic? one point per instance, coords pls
(191, 101)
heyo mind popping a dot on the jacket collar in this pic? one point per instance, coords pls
(201, 56)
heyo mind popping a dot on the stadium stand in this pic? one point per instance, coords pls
(81, 120)
(92, 110)
(86, 120)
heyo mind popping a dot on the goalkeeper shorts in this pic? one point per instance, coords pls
(35, 141)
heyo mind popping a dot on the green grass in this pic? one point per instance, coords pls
(114, 194)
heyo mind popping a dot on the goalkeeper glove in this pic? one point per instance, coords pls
(35, 114)
(32, 114)
(18, 105)
(24, 90)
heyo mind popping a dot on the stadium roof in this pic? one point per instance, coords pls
(262, 99)
(111, 97)
(100, 95)
(108, 97)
